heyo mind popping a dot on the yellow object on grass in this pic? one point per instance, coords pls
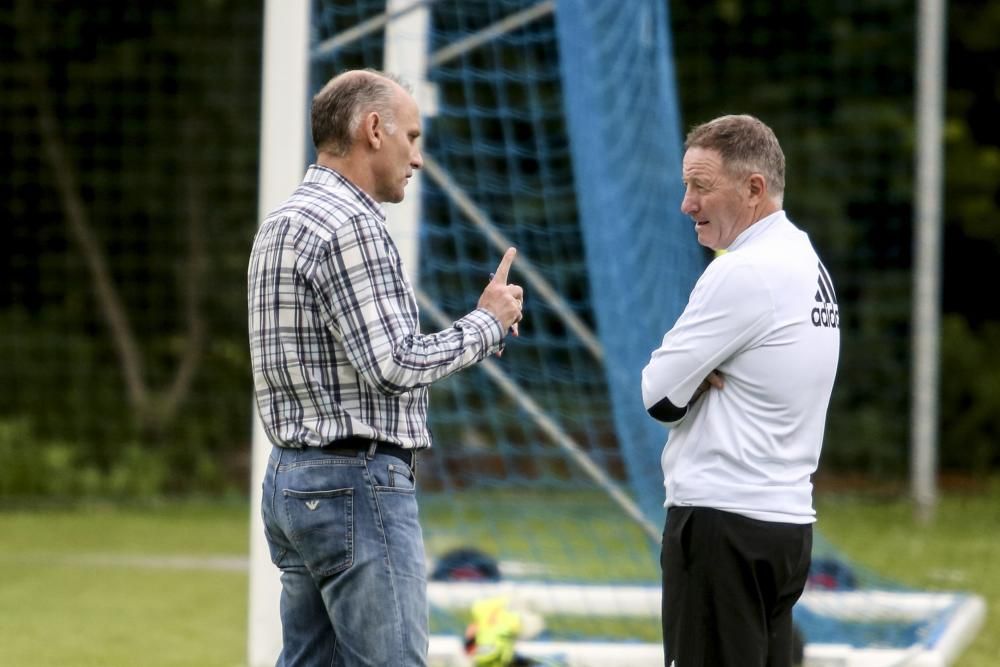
(492, 634)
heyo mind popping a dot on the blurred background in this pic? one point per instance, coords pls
(130, 186)
(130, 192)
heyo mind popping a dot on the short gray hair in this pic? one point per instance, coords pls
(337, 109)
(746, 146)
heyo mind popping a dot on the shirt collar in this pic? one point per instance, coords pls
(756, 229)
(334, 180)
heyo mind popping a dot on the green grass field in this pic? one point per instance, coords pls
(958, 551)
(114, 587)
(164, 585)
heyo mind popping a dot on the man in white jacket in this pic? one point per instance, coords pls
(744, 380)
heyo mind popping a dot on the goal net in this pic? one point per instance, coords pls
(554, 127)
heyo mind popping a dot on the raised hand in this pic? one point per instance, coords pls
(501, 299)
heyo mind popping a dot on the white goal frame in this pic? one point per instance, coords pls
(955, 619)
(282, 163)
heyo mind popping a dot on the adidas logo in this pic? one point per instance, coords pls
(826, 313)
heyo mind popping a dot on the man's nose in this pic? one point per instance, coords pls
(688, 206)
(417, 161)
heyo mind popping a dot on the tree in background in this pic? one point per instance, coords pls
(970, 363)
(133, 193)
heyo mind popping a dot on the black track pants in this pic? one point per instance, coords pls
(729, 583)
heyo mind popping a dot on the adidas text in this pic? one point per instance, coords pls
(827, 316)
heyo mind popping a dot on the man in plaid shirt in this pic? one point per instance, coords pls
(341, 373)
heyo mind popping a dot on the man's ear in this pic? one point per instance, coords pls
(373, 128)
(757, 187)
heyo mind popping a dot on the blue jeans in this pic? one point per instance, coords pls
(343, 530)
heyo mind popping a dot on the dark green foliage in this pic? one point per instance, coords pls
(836, 81)
(156, 114)
(970, 395)
(132, 198)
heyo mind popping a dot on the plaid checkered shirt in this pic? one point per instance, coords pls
(334, 331)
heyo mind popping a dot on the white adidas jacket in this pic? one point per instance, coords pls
(766, 316)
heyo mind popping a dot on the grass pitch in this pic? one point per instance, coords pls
(165, 585)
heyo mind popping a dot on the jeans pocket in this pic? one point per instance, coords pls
(401, 478)
(394, 476)
(322, 528)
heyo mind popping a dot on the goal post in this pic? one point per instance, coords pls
(283, 132)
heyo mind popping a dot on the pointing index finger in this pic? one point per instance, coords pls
(501, 273)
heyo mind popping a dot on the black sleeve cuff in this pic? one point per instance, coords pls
(665, 411)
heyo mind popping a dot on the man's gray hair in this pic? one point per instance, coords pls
(746, 146)
(338, 109)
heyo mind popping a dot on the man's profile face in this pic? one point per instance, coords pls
(399, 155)
(715, 200)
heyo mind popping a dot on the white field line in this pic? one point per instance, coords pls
(189, 562)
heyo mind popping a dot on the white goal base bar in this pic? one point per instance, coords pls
(448, 652)
(961, 616)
